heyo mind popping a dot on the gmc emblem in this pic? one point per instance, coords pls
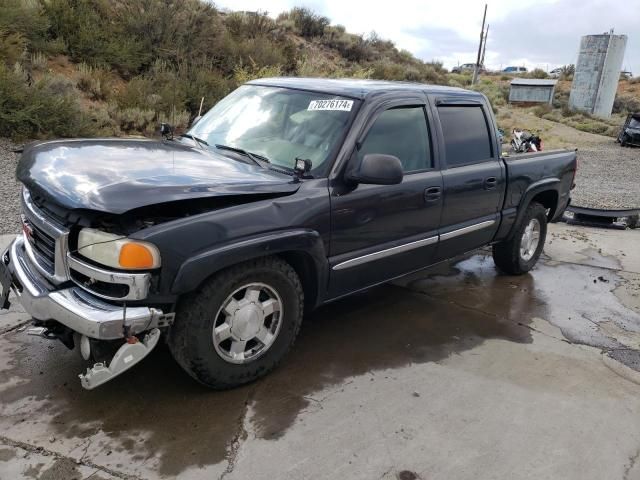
(27, 228)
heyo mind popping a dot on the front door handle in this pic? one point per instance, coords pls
(432, 194)
(490, 183)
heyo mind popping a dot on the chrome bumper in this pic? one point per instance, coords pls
(74, 307)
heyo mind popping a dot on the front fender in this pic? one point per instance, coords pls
(198, 268)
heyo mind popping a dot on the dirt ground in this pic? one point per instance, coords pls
(460, 374)
(608, 175)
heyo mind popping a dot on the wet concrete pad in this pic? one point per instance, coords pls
(458, 375)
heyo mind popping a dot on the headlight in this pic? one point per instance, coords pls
(117, 251)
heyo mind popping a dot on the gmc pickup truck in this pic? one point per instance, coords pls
(288, 194)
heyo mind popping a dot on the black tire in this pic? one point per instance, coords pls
(623, 140)
(190, 338)
(506, 255)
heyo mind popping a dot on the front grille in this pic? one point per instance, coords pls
(45, 246)
(46, 241)
(104, 289)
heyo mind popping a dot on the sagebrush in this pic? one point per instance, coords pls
(139, 62)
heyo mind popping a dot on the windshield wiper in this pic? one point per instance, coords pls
(199, 141)
(253, 156)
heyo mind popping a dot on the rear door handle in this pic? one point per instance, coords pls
(490, 183)
(432, 194)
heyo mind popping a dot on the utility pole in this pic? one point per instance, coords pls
(475, 70)
(484, 46)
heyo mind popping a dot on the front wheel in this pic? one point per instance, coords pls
(240, 324)
(519, 254)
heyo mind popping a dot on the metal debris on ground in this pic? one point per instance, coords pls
(602, 218)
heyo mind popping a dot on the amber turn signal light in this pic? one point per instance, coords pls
(136, 256)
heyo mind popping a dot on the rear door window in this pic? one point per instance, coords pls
(466, 135)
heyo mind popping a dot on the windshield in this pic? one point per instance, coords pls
(279, 124)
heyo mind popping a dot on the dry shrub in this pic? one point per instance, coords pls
(307, 23)
(133, 119)
(38, 61)
(249, 24)
(626, 104)
(12, 47)
(97, 83)
(47, 107)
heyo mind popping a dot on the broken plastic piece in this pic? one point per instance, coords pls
(128, 355)
(37, 331)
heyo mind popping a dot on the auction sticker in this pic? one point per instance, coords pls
(343, 105)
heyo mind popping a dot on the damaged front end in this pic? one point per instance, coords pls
(94, 309)
(78, 269)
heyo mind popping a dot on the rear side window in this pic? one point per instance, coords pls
(466, 135)
(401, 132)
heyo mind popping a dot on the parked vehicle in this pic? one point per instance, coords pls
(288, 194)
(515, 70)
(630, 131)
(523, 141)
(556, 72)
(467, 68)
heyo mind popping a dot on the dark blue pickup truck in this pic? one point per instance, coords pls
(288, 194)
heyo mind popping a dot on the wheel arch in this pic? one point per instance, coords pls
(549, 200)
(302, 249)
(544, 192)
(306, 268)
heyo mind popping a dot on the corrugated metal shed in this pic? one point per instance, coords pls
(532, 90)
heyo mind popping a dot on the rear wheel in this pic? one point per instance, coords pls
(240, 324)
(519, 254)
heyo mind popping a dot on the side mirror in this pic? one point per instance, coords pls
(377, 169)
(195, 120)
(166, 130)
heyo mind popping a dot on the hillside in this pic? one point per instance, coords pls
(114, 67)
(107, 67)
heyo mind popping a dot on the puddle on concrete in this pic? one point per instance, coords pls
(596, 258)
(6, 454)
(582, 301)
(157, 410)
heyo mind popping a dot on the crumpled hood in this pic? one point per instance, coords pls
(117, 175)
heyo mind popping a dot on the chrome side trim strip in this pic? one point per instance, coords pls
(465, 230)
(138, 283)
(412, 245)
(385, 253)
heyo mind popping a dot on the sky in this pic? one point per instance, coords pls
(533, 33)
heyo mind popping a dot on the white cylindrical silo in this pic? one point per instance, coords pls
(597, 73)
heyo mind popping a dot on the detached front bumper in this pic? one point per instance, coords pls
(73, 307)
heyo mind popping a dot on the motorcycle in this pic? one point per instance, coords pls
(524, 141)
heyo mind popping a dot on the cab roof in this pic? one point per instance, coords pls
(356, 88)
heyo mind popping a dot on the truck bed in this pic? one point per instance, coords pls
(525, 171)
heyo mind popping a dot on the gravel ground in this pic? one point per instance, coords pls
(9, 189)
(608, 175)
